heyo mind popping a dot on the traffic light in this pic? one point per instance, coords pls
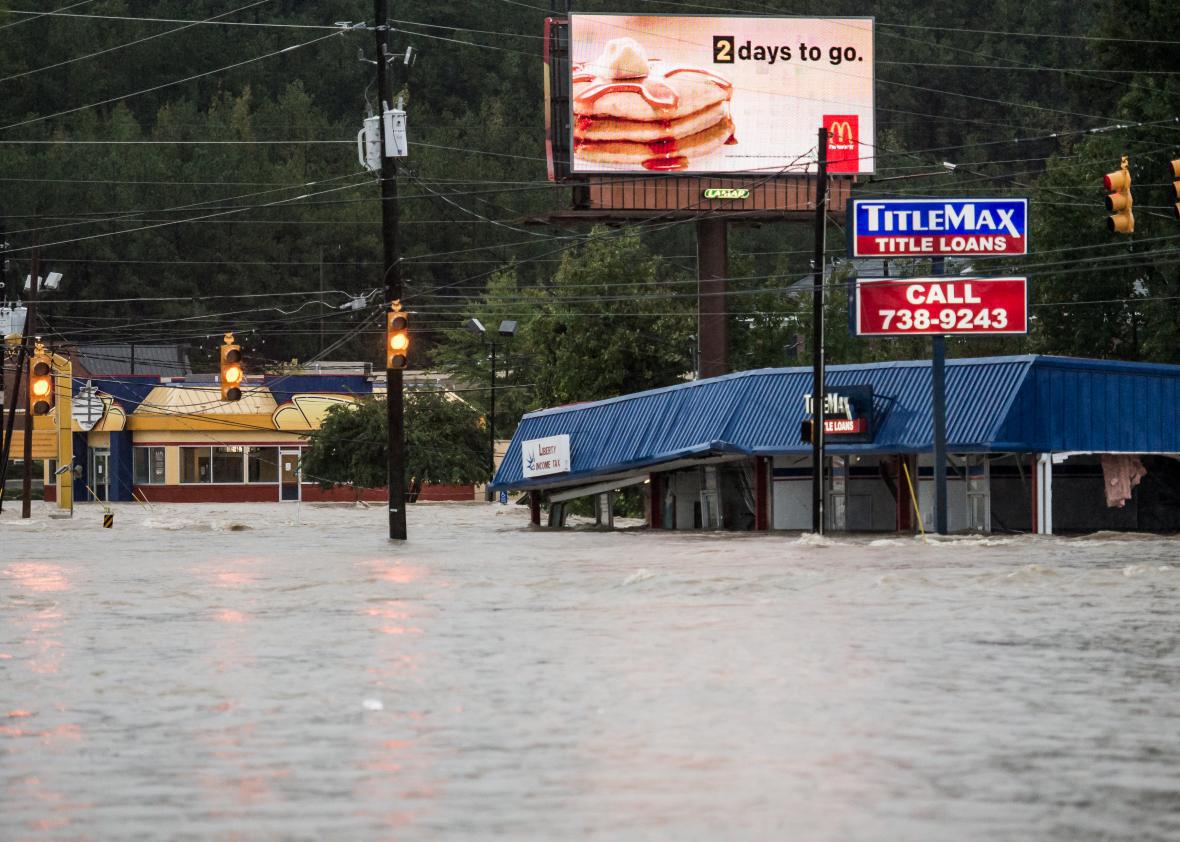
(1121, 220)
(397, 337)
(231, 369)
(40, 381)
(1176, 187)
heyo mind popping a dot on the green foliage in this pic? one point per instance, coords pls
(609, 322)
(444, 443)
(445, 440)
(350, 447)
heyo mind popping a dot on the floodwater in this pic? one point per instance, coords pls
(270, 671)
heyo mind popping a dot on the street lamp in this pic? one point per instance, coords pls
(507, 330)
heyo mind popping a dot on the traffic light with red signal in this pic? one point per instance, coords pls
(40, 381)
(1176, 187)
(232, 374)
(1119, 201)
(397, 337)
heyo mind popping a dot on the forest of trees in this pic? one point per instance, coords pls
(212, 170)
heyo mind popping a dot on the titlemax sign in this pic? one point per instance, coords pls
(939, 227)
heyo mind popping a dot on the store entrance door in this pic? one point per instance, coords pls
(100, 474)
(289, 475)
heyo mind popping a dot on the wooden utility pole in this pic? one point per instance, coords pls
(26, 509)
(392, 278)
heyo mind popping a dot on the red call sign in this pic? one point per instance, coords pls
(915, 306)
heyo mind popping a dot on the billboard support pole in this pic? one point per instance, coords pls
(712, 307)
(938, 396)
(817, 336)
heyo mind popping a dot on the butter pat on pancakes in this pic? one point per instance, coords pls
(659, 119)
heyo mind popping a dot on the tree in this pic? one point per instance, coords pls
(615, 318)
(444, 444)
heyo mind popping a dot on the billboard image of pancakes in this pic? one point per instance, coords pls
(635, 112)
(658, 94)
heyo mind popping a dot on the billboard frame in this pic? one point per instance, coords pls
(770, 173)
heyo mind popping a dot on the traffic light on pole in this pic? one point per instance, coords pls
(40, 381)
(1176, 187)
(1118, 184)
(397, 337)
(231, 369)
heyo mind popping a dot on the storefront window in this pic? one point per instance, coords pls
(227, 464)
(195, 464)
(262, 464)
(148, 464)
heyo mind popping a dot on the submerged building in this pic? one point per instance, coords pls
(171, 439)
(1035, 444)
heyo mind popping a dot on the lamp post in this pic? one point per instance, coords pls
(507, 330)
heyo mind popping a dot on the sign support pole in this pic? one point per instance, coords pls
(938, 390)
(817, 337)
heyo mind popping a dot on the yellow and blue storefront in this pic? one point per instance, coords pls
(177, 441)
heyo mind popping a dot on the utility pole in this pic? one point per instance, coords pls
(26, 509)
(392, 277)
(817, 338)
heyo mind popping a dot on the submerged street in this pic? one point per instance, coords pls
(283, 671)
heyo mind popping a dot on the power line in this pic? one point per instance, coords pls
(130, 43)
(62, 14)
(121, 97)
(36, 15)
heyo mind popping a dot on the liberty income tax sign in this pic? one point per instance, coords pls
(541, 457)
(915, 306)
(939, 227)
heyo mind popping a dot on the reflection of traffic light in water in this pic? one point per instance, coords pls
(397, 337)
(40, 382)
(231, 370)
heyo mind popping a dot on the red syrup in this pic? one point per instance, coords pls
(664, 146)
(673, 164)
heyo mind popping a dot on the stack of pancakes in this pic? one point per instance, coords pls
(628, 110)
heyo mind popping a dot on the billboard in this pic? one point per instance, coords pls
(918, 306)
(939, 227)
(711, 95)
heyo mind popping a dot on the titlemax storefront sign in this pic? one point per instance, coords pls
(541, 457)
(939, 227)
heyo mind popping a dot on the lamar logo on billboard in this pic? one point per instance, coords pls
(843, 142)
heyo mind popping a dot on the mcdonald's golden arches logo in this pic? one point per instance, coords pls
(843, 142)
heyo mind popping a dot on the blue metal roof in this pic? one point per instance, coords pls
(285, 386)
(1019, 404)
(130, 391)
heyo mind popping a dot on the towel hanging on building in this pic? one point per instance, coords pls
(1120, 474)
